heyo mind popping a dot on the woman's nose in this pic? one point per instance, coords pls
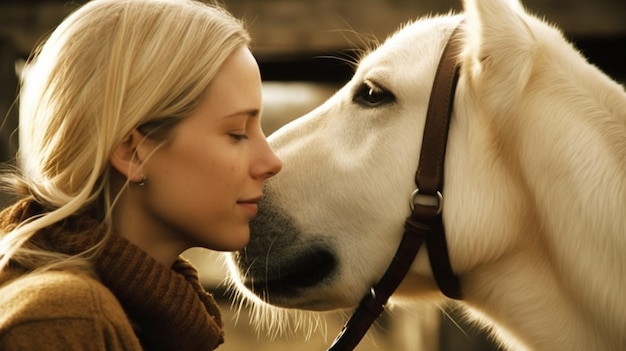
(269, 162)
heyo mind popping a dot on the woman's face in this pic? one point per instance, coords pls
(203, 185)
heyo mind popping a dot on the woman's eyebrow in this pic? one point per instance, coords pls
(253, 112)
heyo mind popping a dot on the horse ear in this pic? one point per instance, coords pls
(500, 49)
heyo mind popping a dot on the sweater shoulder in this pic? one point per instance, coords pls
(62, 310)
(56, 295)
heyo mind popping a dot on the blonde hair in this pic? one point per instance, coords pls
(110, 67)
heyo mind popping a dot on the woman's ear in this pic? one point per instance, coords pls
(126, 160)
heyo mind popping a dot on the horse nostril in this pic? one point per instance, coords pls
(290, 274)
(276, 261)
(309, 270)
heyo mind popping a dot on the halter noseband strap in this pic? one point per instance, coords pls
(425, 222)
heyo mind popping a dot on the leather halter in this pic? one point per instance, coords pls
(425, 222)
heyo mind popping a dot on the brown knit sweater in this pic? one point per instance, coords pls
(134, 303)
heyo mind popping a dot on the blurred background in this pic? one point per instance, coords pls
(305, 50)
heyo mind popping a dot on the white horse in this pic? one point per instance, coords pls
(535, 184)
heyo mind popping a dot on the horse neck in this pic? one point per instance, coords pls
(569, 135)
(536, 196)
(562, 140)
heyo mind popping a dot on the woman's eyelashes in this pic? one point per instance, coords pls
(238, 136)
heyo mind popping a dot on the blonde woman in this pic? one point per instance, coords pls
(139, 138)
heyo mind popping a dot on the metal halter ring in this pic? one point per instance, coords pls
(426, 200)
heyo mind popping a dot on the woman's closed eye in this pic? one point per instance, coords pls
(238, 136)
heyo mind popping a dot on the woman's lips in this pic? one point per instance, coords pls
(250, 205)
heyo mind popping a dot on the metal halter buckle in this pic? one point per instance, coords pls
(426, 200)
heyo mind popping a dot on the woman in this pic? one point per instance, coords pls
(140, 138)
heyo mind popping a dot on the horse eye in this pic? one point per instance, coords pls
(372, 96)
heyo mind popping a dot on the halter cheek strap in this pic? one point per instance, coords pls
(425, 222)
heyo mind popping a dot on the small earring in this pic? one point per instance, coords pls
(142, 182)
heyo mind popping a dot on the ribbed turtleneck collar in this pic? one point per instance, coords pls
(169, 305)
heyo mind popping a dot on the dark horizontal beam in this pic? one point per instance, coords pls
(338, 66)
